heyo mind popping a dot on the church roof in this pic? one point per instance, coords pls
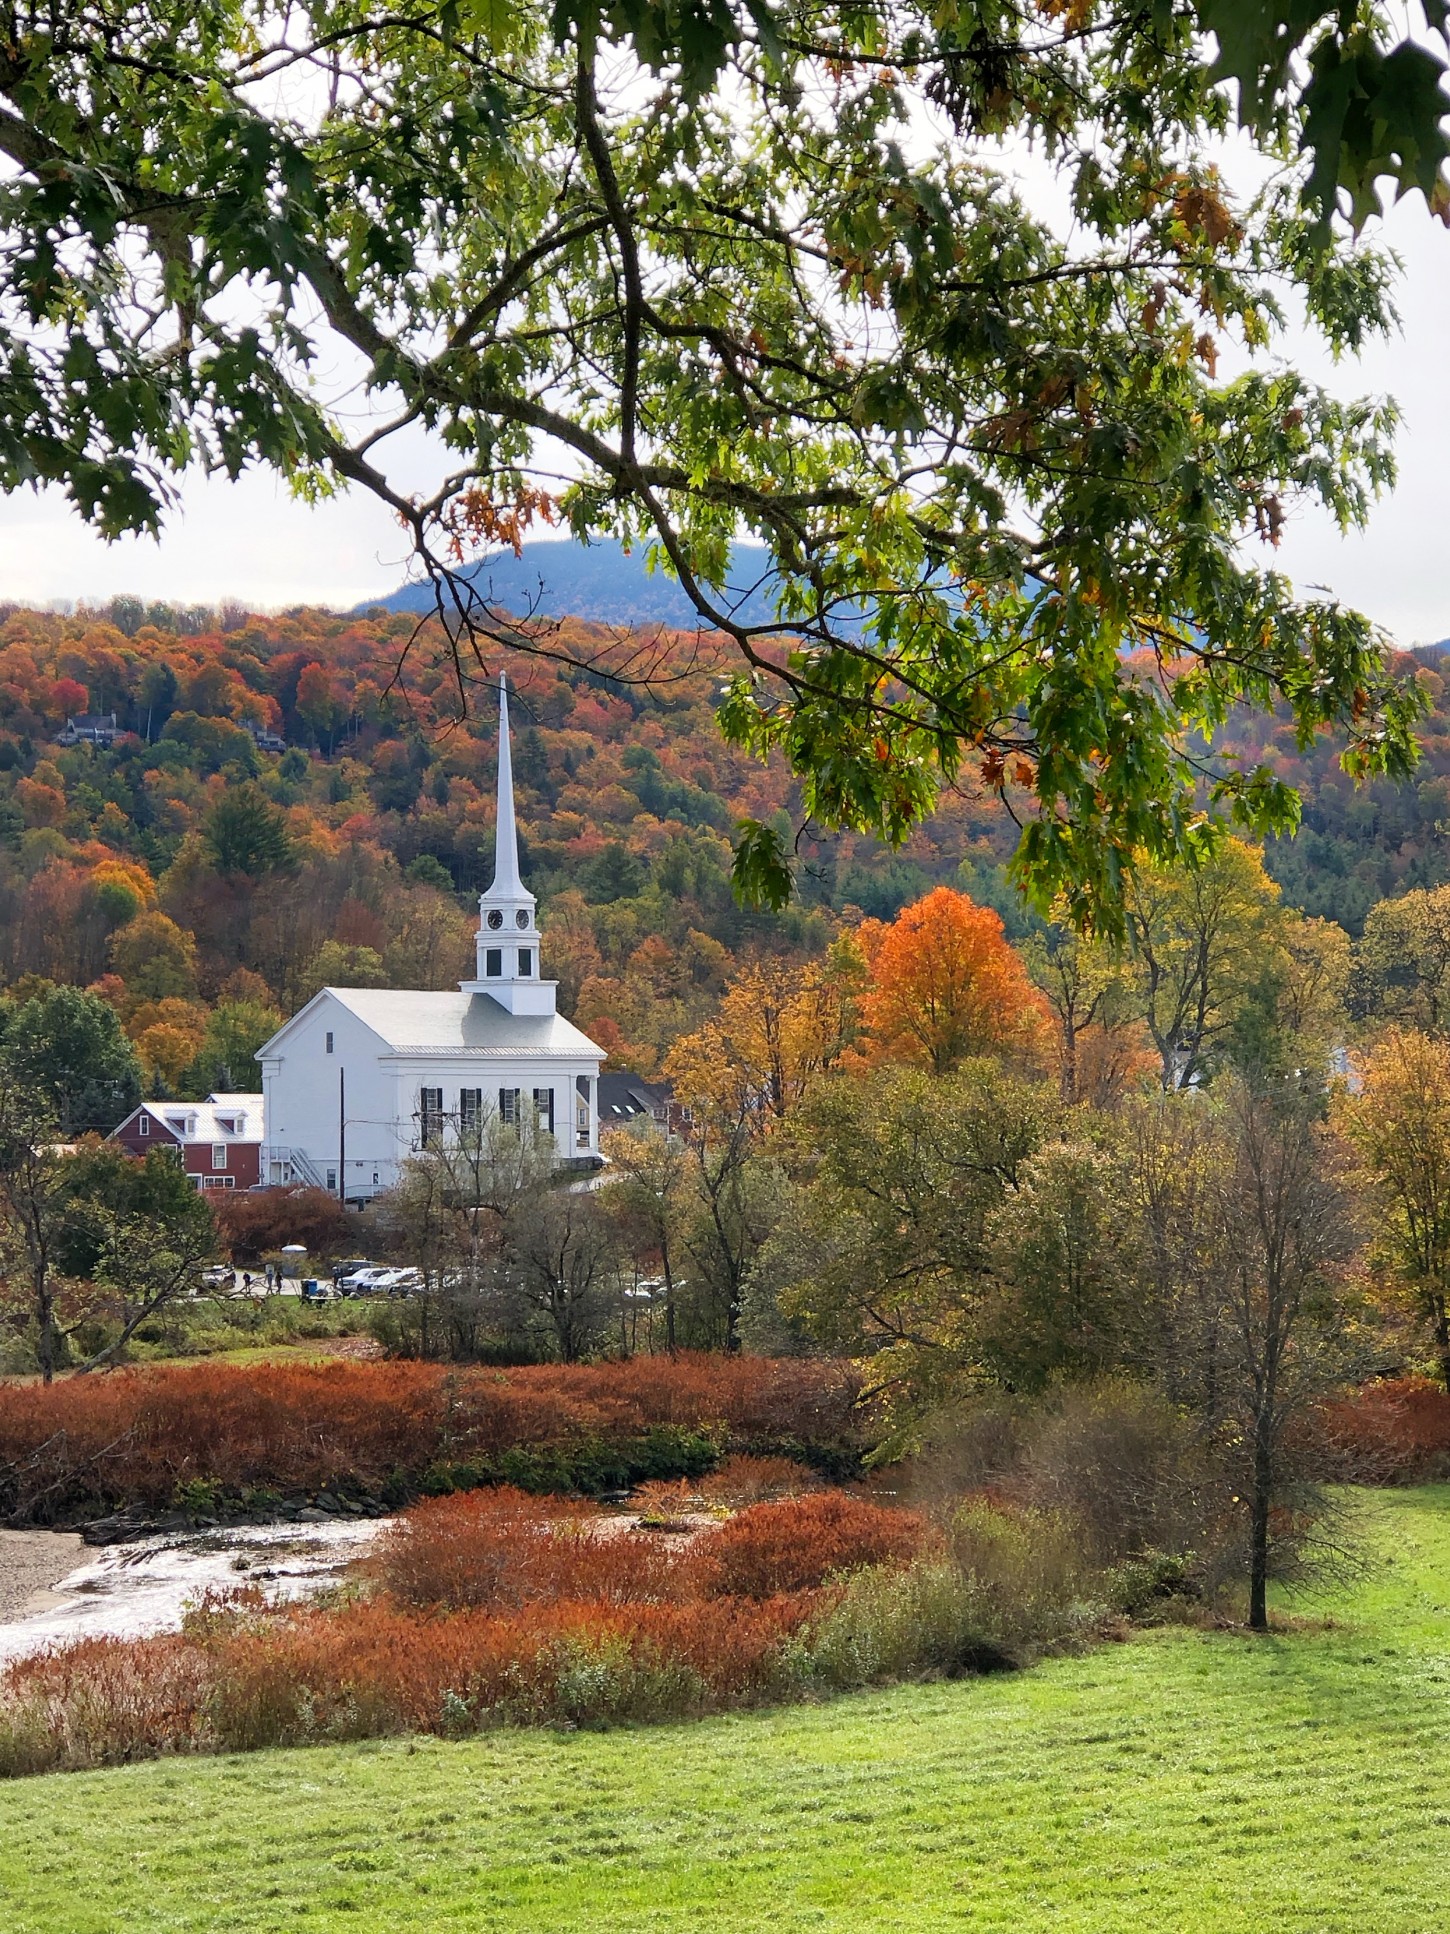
(458, 1023)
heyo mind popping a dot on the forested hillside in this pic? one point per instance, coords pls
(205, 886)
(1357, 846)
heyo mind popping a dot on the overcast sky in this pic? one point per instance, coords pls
(250, 541)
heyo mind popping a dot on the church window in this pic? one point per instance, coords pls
(329, 1040)
(430, 1110)
(581, 1110)
(493, 962)
(470, 1110)
(495, 919)
(508, 1107)
(544, 1109)
(526, 962)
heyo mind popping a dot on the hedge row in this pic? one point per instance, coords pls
(395, 1430)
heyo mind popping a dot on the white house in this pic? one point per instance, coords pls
(360, 1078)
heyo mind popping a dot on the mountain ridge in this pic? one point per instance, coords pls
(600, 582)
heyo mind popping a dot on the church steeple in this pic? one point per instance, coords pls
(508, 937)
(505, 835)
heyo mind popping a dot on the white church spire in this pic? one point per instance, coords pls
(506, 835)
(508, 936)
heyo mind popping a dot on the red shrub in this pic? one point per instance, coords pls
(737, 1482)
(372, 1669)
(798, 1544)
(101, 1701)
(502, 1549)
(1394, 1432)
(136, 1434)
(498, 1606)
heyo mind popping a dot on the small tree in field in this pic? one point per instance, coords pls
(1272, 1295)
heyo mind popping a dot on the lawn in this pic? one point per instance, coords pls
(1181, 1782)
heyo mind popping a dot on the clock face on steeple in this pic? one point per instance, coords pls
(495, 918)
(521, 918)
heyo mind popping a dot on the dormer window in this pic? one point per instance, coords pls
(493, 963)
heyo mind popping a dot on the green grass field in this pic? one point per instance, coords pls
(1184, 1781)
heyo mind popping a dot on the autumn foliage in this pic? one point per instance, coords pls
(498, 1549)
(945, 984)
(1392, 1432)
(88, 1443)
(493, 1607)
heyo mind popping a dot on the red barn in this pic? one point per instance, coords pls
(219, 1140)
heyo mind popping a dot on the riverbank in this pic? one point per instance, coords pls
(1205, 1782)
(32, 1564)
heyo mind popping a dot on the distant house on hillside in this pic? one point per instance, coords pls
(266, 740)
(626, 1098)
(88, 728)
(362, 1078)
(219, 1140)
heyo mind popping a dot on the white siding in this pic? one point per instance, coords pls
(301, 1082)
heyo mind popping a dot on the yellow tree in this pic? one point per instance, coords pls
(779, 1026)
(1198, 938)
(1404, 959)
(1100, 1038)
(1399, 1123)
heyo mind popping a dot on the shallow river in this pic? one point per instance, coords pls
(127, 1590)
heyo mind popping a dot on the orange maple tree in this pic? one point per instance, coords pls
(944, 984)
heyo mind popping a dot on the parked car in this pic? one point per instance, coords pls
(402, 1282)
(218, 1275)
(346, 1273)
(368, 1281)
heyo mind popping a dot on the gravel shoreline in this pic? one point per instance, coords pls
(33, 1562)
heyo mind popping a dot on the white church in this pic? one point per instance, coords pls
(362, 1078)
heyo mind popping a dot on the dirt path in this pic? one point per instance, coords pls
(31, 1562)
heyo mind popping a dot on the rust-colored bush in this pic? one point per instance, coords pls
(133, 1436)
(736, 1482)
(372, 1669)
(101, 1701)
(369, 1669)
(502, 1549)
(1392, 1432)
(743, 1480)
(797, 1544)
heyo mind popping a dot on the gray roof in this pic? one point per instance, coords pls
(467, 1024)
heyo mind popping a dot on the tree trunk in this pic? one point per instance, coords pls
(1067, 1085)
(1442, 1335)
(1259, 1535)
